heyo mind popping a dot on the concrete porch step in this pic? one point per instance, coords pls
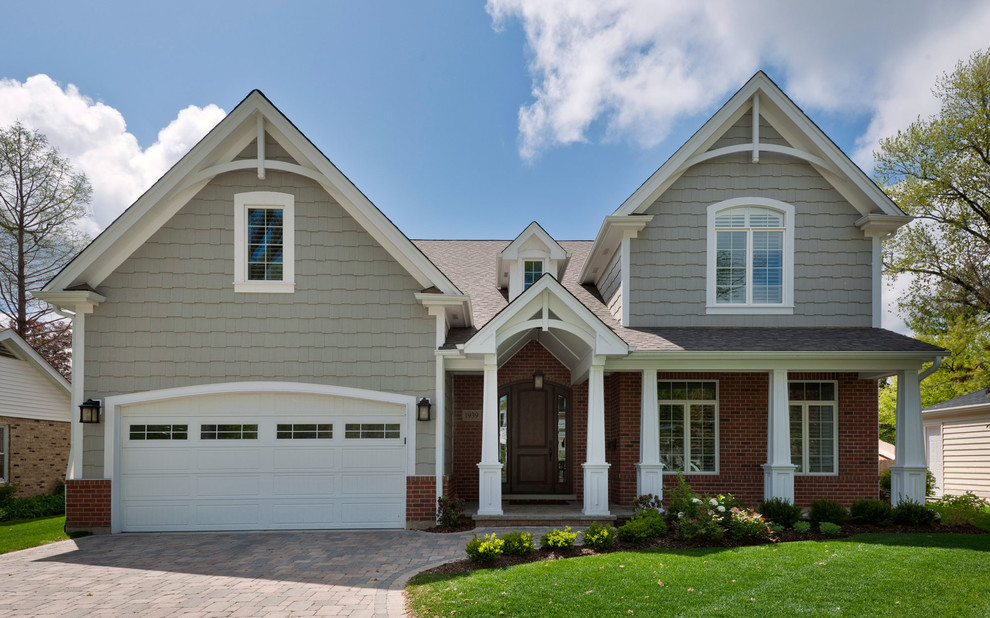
(554, 515)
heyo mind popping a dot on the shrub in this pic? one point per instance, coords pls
(703, 527)
(517, 543)
(682, 497)
(721, 506)
(779, 511)
(870, 511)
(829, 529)
(647, 502)
(559, 539)
(484, 550)
(600, 537)
(30, 508)
(965, 509)
(642, 526)
(775, 528)
(747, 524)
(7, 493)
(802, 527)
(910, 513)
(450, 511)
(828, 510)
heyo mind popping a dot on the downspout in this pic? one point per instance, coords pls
(927, 372)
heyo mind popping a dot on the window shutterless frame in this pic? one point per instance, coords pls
(267, 201)
(684, 395)
(799, 410)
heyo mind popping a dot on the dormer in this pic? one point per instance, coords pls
(527, 258)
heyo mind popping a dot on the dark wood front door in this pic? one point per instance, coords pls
(537, 434)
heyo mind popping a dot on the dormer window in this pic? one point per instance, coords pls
(750, 256)
(532, 270)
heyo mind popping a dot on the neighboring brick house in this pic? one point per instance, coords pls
(34, 419)
(260, 336)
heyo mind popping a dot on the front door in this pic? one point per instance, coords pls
(535, 426)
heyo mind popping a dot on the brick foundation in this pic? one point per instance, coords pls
(39, 454)
(87, 505)
(421, 500)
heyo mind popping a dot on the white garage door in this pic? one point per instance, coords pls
(262, 461)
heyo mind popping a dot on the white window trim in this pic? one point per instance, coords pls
(687, 429)
(265, 199)
(784, 308)
(5, 457)
(804, 427)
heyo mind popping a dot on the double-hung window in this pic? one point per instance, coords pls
(814, 427)
(688, 425)
(750, 257)
(264, 242)
(532, 271)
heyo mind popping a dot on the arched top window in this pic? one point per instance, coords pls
(750, 257)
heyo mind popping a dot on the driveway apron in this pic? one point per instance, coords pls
(305, 573)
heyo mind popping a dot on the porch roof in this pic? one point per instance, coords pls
(469, 264)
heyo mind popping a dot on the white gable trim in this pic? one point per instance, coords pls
(28, 354)
(213, 155)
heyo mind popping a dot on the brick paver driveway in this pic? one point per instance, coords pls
(311, 573)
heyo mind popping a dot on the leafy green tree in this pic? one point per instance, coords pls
(938, 170)
(41, 198)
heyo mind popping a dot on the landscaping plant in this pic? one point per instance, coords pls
(30, 508)
(486, 549)
(647, 502)
(450, 511)
(559, 539)
(802, 527)
(829, 529)
(748, 524)
(870, 511)
(967, 509)
(779, 511)
(643, 526)
(517, 543)
(600, 537)
(911, 513)
(828, 510)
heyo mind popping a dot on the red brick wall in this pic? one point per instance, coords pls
(39, 454)
(87, 503)
(622, 411)
(421, 497)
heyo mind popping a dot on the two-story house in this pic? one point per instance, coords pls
(267, 350)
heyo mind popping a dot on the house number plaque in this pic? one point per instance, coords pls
(470, 415)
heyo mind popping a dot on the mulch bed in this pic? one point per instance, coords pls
(540, 555)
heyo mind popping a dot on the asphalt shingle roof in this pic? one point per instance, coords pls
(470, 265)
(972, 399)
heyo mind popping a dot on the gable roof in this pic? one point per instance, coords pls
(975, 399)
(13, 342)
(215, 154)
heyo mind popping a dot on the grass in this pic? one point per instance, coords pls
(870, 574)
(25, 533)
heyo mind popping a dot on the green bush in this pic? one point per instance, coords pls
(704, 527)
(911, 513)
(828, 510)
(802, 527)
(930, 485)
(829, 529)
(7, 493)
(775, 528)
(779, 511)
(959, 510)
(517, 543)
(748, 524)
(870, 511)
(643, 526)
(450, 511)
(559, 539)
(484, 550)
(647, 502)
(721, 507)
(30, 508)
(600, 537)
(682, 498)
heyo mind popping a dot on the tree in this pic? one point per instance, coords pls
(41, 198)
(938, 169)
(53, 341)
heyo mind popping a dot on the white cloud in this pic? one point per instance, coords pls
(94, 137)
(638, 66)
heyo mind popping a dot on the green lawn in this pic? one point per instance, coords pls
(24, 533)
(871, 574)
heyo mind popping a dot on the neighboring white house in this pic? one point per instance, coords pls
(34, 418)
(957, 443)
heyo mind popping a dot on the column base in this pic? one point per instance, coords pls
(489, 489)
(649, 479)
(595, 489)
(908, 483)
(778, 481)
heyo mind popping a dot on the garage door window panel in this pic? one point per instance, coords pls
(228, 432)
(304, 431)
(371, 431)
(159, 432)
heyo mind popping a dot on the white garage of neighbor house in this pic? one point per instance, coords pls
(957, 441)
(258, 456)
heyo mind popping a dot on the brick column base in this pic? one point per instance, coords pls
(87, 505)
(421, 500)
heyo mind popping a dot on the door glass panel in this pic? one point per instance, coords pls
(503, 436)
(561, 439)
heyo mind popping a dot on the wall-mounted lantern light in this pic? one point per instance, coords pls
(89, 411)
(423, 409)
(538, 380)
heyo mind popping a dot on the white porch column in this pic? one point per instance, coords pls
(489, 469)
(595, 467)
(909, 472)
(778, 472)
(649, 470)
(75, 468)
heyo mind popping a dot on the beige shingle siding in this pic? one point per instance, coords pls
(966, 456)
(832, 279)
(273, 151)
(172, 318)
(610, 285)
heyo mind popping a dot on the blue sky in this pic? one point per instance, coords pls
(464, 119)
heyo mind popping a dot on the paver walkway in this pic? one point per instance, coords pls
(306, 573)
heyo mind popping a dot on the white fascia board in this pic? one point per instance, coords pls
(71, 300)
(845, 362)
(511, 251)
(609, 238)
(450, 303)
(881, 225)
(976, 409)
(28, 354)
